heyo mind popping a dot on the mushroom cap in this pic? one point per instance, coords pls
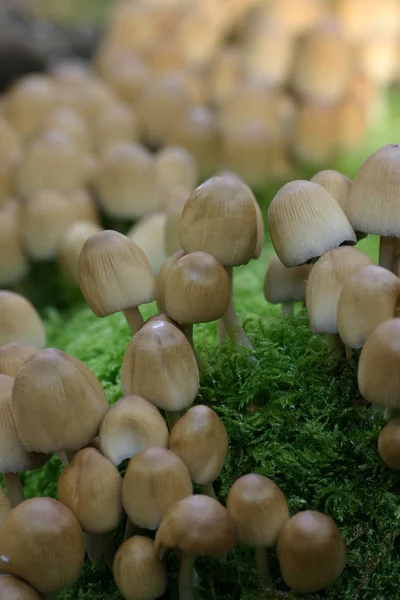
(84, 206)
(379, 365)
(58, 403)
(337, 184)
(5, 506)
(13, 263)
(148, 234)
(198, 525)
(311, 551)
(369, 298)
(162, 277)
(131, 425)
(72, 244)
(285, 285)
(389, 444)
(199, 438)
(29, 102)
(373, 205)
(155, 479)
(91, 487)
(220, 218)
(305, 221)
(12, 588)
(19, 321)
(259, 509)
(197, 289)
(139, 574)
(115, 123)
(114, 274)
(175, 166)
(173, 387)
(13, 356)
(325, 283)
(42, 543)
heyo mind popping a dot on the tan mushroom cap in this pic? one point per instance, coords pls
(29, 103)
(337, 184)
(155, 479)
(328, 276)
(5, 506)
(13, 262)
(58, 403)
(114, 274)
(131, 425)
(13, 356)
(305, 221)
(173, 387)
(369, 298)
(268, 55)
(69, 122)
(148, 233)
(116, 123)
(197, 525)
(19, 321)
(379, 365)
(295, 16)
(176, 167)
(311, 552)
(10, 144)
(12, 588)
(42, 543)
(389, 444)
(137, 571)
(259, 509)
(162, 278)
(83, 205)
(285, 285)
(220, 218)
(72, 244)
(91, 487)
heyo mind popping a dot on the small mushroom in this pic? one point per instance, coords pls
(337, 184)
(71, 245)
(29, 103)
(13, 263)
(13, 356)
(115, 123)
(148, 234)
(285, 286)
(268, 54)
(314, 137)
(162, 277)
(19, 321)
(84, 207)
(389, 444)
(176, 167)
(12, 588)
(71, 124)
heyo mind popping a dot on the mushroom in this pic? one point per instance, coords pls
(199, 438)
(29, 103)
(12, 588)
(70, 123)
(162, 277)
(311, 552)
(116, 123)
(13, 263)
(115, 275)
(131, 425)
(268, 54)
(71, 245)
(148, 234)
(285, 286)
(173, 213)
(139, 574)
(293, 17)
(389, 444)
(19, 321)
(197, 526)
(337, 184)
(314, 135)
(42, 543)
(176, 167)
(259, 510)
(84, 207)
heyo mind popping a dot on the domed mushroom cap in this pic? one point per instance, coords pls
(311, 552)
(13, 356)
(5, 506)
(114, 274)
(175, 166)
(72, 244)
(389, 444)
(198, 525)
(325, 283)
(305, 221)
(58, 403)
(369, 298)
(259, 509)
(137, 571)
(220, 218)
(131, 425)
(42, 543)
(161, 280)
(373, 205)
(285, 285)
(173, 387)
(12, 588)
(379, 365)
(29, 103)
(337, 184)
(199, 438)
(19, 321)
(155, 479)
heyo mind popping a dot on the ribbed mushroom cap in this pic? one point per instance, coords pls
(199, 438)
(220, 218)
(114, 274)
(13, 263)
(12, 588)
(369, 298)
(131, 425)
(175, 166)
(389, 444)
(162, 278)
(198, 525)
(325, 283)
(58, 403)
(148, 234)
(379, 365)
(197, 289)
(173, 387)
(29, 103)
(259, 509)
(139, 574)
(305, 221)
(285, 285)
(311, 552)
(155, 479)
(373, 205)
(19, 321)
(72, 244)
(42, 543)
(5, 506)
(91, 486)
(337, 184)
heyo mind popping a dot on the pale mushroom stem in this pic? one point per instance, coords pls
(287, 308)
(188, 331)
(231, 320)
(208, 490)
(99, 545)
(221, 332)
(186, 577)
(134, 319)
(63, 457)
(387, 252)
(14, 488)
(263, 569)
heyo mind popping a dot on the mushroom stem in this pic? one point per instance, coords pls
(63, 457)
(208, 490)
(173, 417)
(14, 488)
(130, 529)
(263, 569)
(231, 320)
(287, 308)
(98, 545)
(69, 455)
(387, 252)
(186, 577)
(134, 319)
(188, 331)
(221, 332)
(348, 351)
(333, 341)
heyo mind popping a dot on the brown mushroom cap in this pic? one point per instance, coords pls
(162, 277)
(12, 588)
(389, 444)
(42, 542)
(198, 525)
(72, 244)
(114, 274)
(13, 263)
(13, 356)
(58, 403)
(155, 479)
(285, 285)
(19, 321)
(337, 184)
(138, 573)
(311, 551)
(176, 167)
(259, 509)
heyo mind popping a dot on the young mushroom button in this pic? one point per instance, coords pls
(19, 321)
(285, 286)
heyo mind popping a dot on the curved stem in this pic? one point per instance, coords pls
(221, 332)
(264, 574)
(387, 252)
(208, 490)
(231, 320)
(134, 319)
(188, 331)
(15, 491)
(63, 457)
(287, 308)
(186, 576)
